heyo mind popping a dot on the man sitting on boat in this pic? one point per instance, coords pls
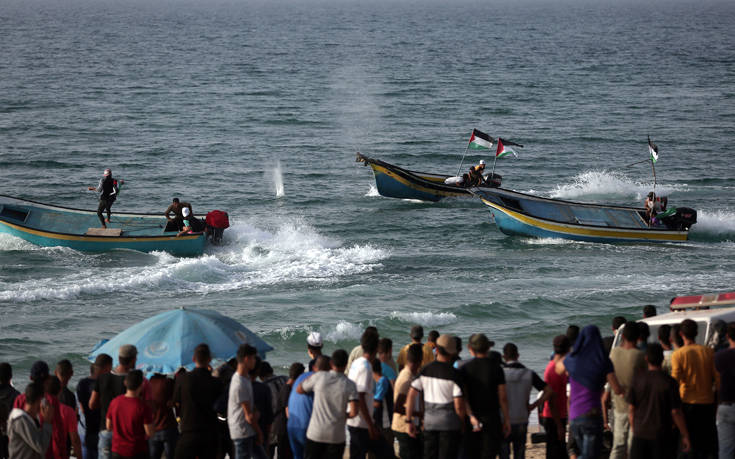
(177, 207)
(107, 189)
(475, 176)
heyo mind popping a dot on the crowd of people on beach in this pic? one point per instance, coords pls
(668, 397)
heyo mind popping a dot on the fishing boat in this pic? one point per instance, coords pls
(54, 226)
(527, 215)
(396, 182)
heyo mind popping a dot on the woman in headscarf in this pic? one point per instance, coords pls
(588, 368)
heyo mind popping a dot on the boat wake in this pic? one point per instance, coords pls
(714, 226)
(372, 192)
(288, 255)
(603, 185)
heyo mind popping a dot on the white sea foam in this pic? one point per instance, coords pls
(718, 223)
(9, 243)
(274, 176)
(343, 331)
(427, 319)
(372, 192)
(251, 257)
(606, 184)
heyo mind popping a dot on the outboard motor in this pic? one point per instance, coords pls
(493, 180)
(682, 220)
(217, 222)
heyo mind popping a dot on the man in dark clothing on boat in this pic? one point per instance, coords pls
(107, 189)
(475, 175)
(177, 208)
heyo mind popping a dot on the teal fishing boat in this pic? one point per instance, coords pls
(527, 215)
(53, 226)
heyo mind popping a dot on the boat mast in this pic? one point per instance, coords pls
(464, 154)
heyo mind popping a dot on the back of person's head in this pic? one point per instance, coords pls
(266, 370)
(385, 346)
(631, 332)
(64, 369)
(377, 367)
(322, 363)
(618, 321)
(34, 392)
(133, 380)
(255, 371)
(296, 369)
(676, 336)
(340, 358)
(6, 373)
(689, 329)
(433, 335)
(372, 329)
(510, 351)
(731, 331)
(644, 331)
(664, 334)
(103, 361)
(479, 343)
(369, 342)
(572, 333)
(649, 310)
(415, 354)
(417, 332)
(52, 385)
(202, 354)
(245, 350)
(127, 355)
(176, 200)
(39, 371)
(562, 345)
(655, 354)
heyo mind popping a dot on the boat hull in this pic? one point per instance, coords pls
(21, 219)
(395, 182)
(513, 222)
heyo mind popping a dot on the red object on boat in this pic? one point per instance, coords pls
(702, 301)
(218, 219)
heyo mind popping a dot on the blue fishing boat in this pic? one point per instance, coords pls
(53, 226)
(527, 215)
(395, 182)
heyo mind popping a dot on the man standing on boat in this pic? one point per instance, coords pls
(107, 189)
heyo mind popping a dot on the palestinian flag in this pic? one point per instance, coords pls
(653, 150)
(480, 140)
(503, 149)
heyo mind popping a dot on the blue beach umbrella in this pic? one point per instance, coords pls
(166, 341)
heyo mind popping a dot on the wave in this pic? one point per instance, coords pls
(251, 257)
(604, 184)
(372, 192)
(426, 319)
(718, 225)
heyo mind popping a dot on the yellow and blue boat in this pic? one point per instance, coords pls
(395, 182)
(527, 215)
(53, 226)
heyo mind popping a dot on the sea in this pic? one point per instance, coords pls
(258, 108)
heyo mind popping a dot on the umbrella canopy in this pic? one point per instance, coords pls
(166, 341)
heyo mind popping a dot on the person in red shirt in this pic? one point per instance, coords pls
(67, 421)
(554, 415)
(130, 420)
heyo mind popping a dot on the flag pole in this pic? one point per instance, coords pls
(492, 174)
(464, 154)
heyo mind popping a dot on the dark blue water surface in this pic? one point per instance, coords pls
(218, 101)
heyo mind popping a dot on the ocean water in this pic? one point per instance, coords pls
(258, 108)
